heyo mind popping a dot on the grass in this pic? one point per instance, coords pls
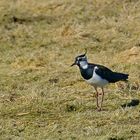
(41, 96)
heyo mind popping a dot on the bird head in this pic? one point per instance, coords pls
(80, 59)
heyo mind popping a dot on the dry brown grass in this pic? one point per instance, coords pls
(41, 96)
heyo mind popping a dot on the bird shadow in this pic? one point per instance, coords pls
(132, 103)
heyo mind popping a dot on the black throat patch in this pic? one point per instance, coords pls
(86, 73)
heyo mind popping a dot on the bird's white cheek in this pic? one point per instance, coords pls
(84, 65)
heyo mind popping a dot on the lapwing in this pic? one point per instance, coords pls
(98, 76)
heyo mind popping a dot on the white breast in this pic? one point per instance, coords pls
(96, 80)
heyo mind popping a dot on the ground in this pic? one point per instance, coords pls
(41, 96)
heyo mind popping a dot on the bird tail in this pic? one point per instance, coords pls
(120, 77)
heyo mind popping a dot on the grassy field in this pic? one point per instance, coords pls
(41, 96)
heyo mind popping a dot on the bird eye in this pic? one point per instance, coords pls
(80, 59)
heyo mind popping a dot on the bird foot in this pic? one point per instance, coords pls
(99, 109)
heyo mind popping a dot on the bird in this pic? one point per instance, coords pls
(97, 76)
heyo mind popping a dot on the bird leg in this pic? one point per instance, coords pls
(97, 94)
(102, 98)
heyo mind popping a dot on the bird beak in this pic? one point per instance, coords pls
(73, 64)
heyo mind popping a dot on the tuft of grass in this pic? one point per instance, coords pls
(41, 96)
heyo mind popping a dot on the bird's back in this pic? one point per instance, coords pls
(109, 75)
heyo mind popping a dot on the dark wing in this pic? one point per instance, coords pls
(109, 75)
(104, 73)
